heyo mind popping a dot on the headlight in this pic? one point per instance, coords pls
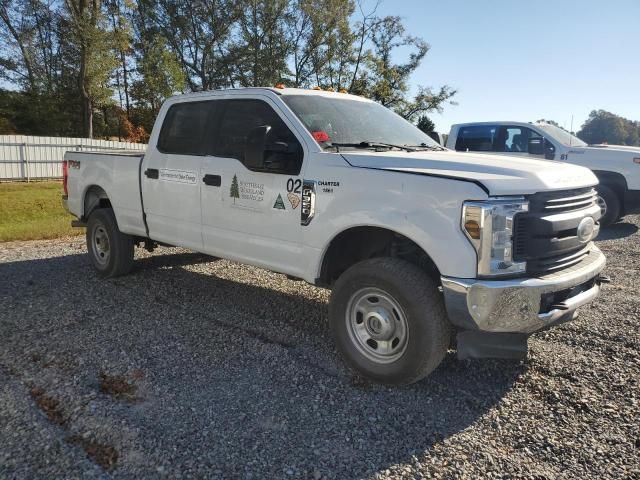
(489, 226)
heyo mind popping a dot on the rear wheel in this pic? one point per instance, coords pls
(609, 204)
(389, 321)
(110, 250)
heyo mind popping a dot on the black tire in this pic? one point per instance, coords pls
(428, 330)
(611, 205)
(110, 251)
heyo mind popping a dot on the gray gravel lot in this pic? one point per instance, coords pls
(193, 367)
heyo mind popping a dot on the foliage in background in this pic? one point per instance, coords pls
(103, 67)
(606, 127)
(426, 124)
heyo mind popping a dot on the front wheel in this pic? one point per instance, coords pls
(609, 204)
(389, 321)
(110, 250)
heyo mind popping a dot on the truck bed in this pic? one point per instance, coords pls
(117, 172)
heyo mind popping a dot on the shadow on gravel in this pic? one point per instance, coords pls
(617, 231)
(240, 378)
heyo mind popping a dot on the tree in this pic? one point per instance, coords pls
(262, 47)
(234, 191)
(426, 124)
(104, 67)
(388, 82)
(550, 122)
(606, 127)
(95, 59)
(199, 34)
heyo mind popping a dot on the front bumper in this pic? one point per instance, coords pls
(523, 305)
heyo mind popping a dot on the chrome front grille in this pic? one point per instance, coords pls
(573, 202)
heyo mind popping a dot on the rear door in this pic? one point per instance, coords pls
(170, 178)
(252, 214)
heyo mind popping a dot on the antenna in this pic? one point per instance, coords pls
(571, 131)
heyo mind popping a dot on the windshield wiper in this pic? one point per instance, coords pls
(428, 147)
(366, 144)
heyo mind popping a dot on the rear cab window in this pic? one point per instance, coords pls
(476, 138)
(184, 128)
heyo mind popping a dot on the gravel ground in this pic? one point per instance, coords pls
(193, 367)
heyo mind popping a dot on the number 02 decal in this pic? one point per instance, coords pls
(294, 185)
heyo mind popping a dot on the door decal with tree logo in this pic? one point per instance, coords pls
(234, 191)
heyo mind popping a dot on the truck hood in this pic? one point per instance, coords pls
(499, 175)
(610, 148)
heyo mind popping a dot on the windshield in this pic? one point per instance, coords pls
(353, 122)
(562, 136)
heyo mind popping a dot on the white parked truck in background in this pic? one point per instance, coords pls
(417, 243)
(617, 167)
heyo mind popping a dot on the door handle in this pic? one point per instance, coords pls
(212, 180)
(151, 173)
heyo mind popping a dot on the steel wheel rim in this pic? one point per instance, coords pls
(101, 245)
(602, 203)
(377, 325)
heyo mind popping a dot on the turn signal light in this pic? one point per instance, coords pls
(280, 86)
(316, 88)
(473, 229)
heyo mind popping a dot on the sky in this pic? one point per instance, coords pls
(527, 60)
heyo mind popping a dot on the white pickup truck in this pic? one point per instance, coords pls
(420, 245)
(617, 167)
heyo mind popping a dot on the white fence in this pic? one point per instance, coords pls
(28, 158)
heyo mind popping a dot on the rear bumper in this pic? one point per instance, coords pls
(631, 201)
(523, 305)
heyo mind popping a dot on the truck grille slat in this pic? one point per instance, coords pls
(568, 201)
(546, 243)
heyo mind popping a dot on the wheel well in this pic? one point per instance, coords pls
(95, 197)
(362, 243)
(613, 180)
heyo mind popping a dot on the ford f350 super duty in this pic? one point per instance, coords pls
(420, 245)
(617, 167)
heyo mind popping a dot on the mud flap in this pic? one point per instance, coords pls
(474, 344)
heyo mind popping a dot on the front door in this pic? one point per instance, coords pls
(251, 212)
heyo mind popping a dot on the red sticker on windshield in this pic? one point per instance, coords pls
(320, 136)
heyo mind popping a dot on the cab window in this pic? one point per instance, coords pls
(514, 139)
(239, 118)
(183, 128)
(476, 138)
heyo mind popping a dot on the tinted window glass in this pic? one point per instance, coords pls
(476, 138)
(184, 128)
(242, 116)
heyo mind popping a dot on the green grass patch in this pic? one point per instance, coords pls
(33, 211)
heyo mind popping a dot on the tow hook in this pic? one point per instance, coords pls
(603, 279)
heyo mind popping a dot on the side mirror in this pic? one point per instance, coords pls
(536, 146)
(254, 146)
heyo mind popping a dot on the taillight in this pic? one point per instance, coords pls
(65, 176)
